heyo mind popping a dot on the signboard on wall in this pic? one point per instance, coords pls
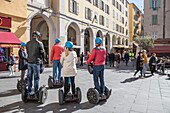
(5, 22)
(62, 38)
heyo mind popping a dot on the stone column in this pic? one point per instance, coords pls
(82, 42)
(104, 41)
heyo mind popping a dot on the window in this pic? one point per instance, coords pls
(154, 4)
(88, 14)
(155, 34)
(96, 14)
(102, 5)
(74, 7)
(120, 18)
(107, 22)
(123, 1)
(95, 2)
(126, 3)
(117, 18)
(126, 14)
(117, 5)
(117, 27)
(126, 32)
(123, 20)
(113, 25)
(89, 1)
(120, 8)
(113, 13)
(113, 2)
(154, 19)
(107, 9)
(101, 20)
(122, 30)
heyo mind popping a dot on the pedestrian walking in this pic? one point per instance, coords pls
(69, 70)
(81, 59)
(118, 58)
(11, 63)
(98, 57)
(145, 65)
(22, 65)
(139, 64)
(112, 59)
(152, 63)
(55, 56)
(126, 58)
(36, 55)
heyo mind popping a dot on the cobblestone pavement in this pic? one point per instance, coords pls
(129, 94)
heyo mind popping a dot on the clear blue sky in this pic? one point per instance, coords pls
(139, 3)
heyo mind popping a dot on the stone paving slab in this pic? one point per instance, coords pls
(129, 94)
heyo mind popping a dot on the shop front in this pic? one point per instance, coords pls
(8, 41)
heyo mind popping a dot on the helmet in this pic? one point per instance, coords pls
(23, 44)
(57, 40)
(36, 33)
(98, 40)
(69, 44)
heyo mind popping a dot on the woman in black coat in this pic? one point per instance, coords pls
(139, 64)
(22, 60)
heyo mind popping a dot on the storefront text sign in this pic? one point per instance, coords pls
(5, 22)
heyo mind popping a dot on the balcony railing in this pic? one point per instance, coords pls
(40, 3)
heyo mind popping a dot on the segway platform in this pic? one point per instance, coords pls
(40, 97)
(57, 84)
(94, 97)
(70, 97)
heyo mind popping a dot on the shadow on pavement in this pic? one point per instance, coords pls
(7, 77)
(132, 79)
(9, 93)
(53, 107)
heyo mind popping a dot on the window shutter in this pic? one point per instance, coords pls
(86, 13)
(91, 14)
(77, 8)
(71, 6)
(159, 3)
(150, 2)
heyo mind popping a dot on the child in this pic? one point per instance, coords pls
(69, 70)
(98, 57)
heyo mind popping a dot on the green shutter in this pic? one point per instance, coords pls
(150, 3)
(158, 3)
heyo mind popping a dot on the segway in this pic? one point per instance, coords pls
(21, 84)
(69, 97)
(40, 97)
(94, 97)
(56, 84)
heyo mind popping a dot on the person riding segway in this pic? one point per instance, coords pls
(36, 55)
(22, 66)
(98, 56)
(56, 81)
(69, 71)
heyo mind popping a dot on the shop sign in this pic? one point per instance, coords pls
(5, 22)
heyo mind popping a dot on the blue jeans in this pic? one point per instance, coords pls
(145, 68)
(33, 70)
(57, 69)
(98, 73)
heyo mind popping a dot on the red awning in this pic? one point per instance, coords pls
(160, 49)
(9, 38)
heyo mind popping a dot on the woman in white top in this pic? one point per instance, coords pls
(69, 70)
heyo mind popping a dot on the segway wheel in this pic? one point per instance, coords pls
(19, 85)
(43, 95)
(93, 96)
(50, 82)
(78, 94)
(61, 96)
(24, 95)
(107, 92)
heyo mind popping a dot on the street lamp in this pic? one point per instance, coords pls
(48, 9)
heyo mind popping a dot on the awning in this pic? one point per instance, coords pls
(9, 38)
(160, 49)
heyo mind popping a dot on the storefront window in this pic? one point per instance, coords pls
(3, 55)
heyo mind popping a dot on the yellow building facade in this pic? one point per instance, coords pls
(135, 23)
(13, 14)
